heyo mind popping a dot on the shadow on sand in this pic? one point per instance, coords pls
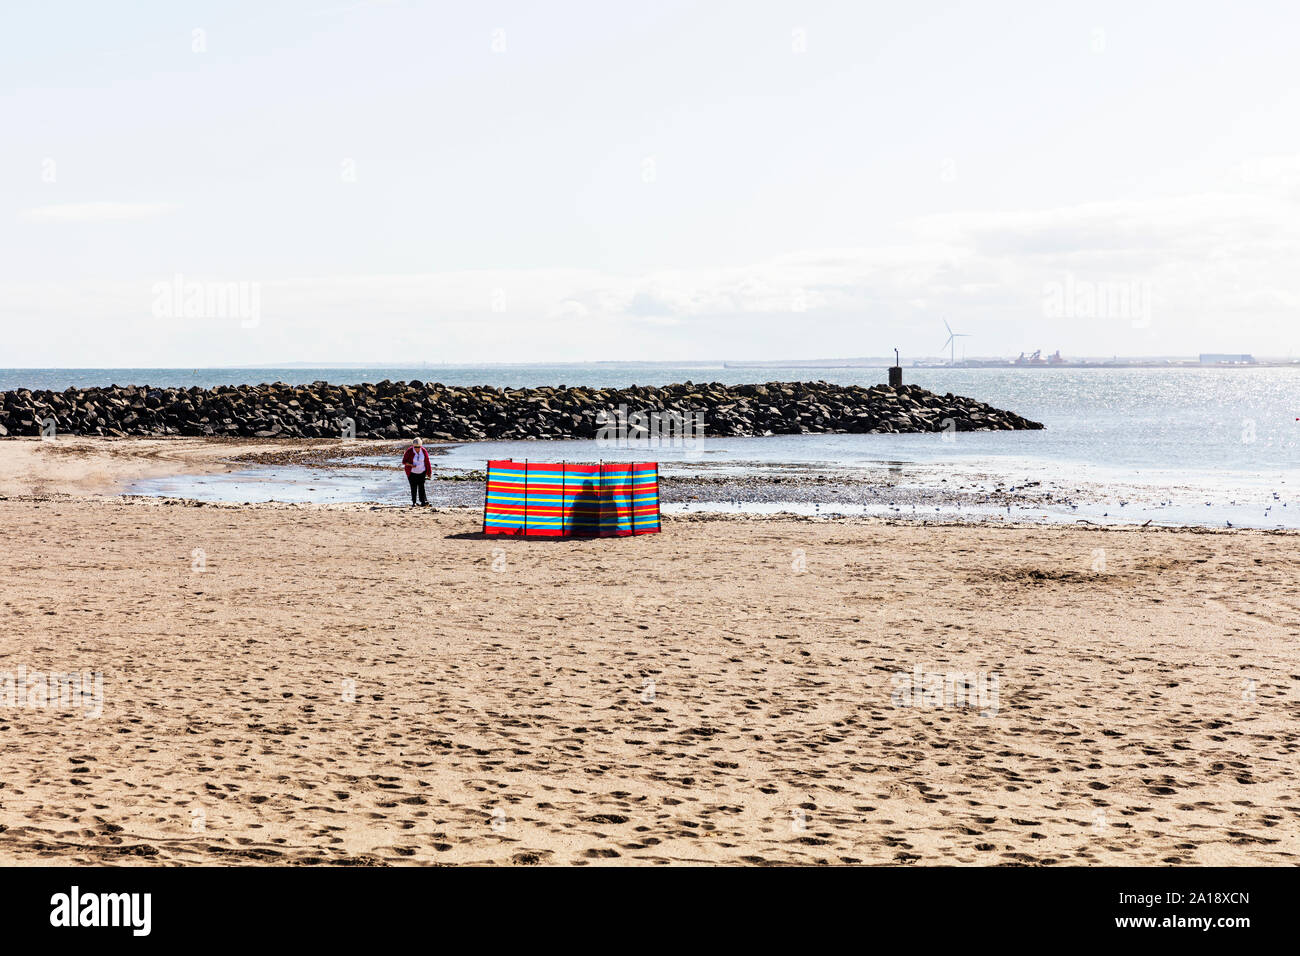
(531, 539)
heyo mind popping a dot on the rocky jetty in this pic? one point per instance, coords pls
(400, 409)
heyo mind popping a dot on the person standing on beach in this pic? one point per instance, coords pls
(417, 465)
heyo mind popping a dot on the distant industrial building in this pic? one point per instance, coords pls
(1215, 358)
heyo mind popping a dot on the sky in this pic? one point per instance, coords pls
(251, 183)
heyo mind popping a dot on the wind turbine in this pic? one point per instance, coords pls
(951, 344)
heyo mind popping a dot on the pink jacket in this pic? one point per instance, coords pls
(409, 459)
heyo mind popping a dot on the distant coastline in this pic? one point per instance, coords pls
(868, 362)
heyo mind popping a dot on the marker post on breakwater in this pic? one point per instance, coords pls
(896, 372)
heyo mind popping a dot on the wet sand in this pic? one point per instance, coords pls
(377, 685)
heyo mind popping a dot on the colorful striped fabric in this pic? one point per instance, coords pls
(557, 501)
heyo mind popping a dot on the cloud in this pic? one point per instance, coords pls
(569, 308)
(1216, 268)
(1106, 227)
(98, 212)
(645, 305)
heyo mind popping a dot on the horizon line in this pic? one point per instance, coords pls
(867, 361)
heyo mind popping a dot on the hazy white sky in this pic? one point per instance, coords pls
(552, 181)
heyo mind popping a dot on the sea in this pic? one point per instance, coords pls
(1209, 447)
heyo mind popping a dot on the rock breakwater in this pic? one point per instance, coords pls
(456, 413)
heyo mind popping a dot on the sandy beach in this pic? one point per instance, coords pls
(358, 684)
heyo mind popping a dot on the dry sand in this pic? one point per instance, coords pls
(358, 685)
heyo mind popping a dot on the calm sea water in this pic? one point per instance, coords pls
(1218, 445)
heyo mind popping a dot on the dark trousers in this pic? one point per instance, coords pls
(417, 487)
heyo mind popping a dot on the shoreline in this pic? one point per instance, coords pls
(365, 471)
(687, 517)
